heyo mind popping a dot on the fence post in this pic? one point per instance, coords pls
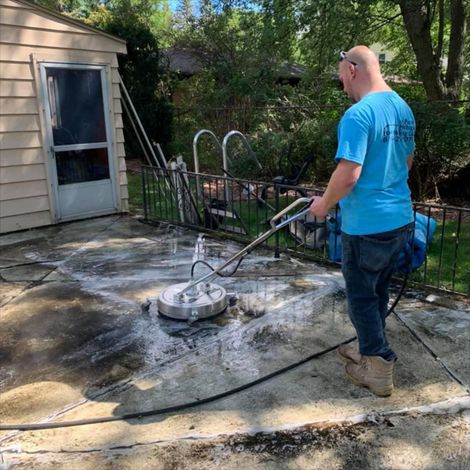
(144, 193)
(276, 235)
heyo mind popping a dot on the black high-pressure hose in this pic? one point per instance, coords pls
(192, 404)
(170, 409)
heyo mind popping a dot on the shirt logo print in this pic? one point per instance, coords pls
(404, 131)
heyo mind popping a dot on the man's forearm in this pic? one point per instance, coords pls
(339, 186)
(341, 183)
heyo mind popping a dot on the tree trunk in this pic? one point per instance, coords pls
(455, 67)
(416, 16)
(417, 19)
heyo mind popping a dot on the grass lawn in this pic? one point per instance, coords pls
(451, 271)
(134, 187)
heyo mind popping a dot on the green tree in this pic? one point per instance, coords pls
(279, 26)
(434, 30)
(74, 8)
(155, 13)
(135, 21)
(184, 11)
(327, 27)
(438, 28)
(141, 68)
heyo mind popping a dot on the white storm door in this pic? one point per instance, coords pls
(78, 128)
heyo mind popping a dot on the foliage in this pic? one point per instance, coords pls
(328, 27)
(74, 8)
(436, 29)
(242, 45)
(239, 77)
(140, 69)
(137, 22)
(154, 13)
(442, 146)
(242, 49)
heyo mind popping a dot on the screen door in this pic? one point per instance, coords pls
(79, 138)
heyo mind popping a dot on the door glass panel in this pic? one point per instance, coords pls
(77, 166)
(76, 104)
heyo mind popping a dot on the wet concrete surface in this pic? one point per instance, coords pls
(75, 343)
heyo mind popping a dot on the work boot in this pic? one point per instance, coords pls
(374, 373)
(350, 352)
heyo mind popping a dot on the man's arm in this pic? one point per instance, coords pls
(341, 183)
(409, 161)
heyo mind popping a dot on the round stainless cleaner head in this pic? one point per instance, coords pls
(204, 301)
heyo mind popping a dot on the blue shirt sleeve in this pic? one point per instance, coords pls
(353, 135)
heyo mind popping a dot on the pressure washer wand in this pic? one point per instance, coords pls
(274, 228)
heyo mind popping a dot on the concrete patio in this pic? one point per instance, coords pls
(75, 343)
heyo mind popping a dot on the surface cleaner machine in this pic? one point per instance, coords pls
(199, 299)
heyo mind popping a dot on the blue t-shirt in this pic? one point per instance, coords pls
(377, 133)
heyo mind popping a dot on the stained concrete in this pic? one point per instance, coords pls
(75, 343)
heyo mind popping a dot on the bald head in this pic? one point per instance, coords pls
(360, 73)
(364, 56)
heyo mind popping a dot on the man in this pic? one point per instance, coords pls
(375, 145)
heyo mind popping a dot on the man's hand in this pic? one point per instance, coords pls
(318, 208)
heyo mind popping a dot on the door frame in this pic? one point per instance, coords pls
(49, 139)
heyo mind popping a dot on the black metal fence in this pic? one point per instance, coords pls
(241, 210)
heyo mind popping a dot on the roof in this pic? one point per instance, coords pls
(291, 71)
(188, 62)
(183, 61)
(69, 20)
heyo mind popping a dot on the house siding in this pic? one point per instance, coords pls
(29, 35)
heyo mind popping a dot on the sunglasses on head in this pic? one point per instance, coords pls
(344, 56)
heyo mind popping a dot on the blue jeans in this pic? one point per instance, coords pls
(368, 262)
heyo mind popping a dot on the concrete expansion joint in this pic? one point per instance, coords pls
(59, 263)
(17, 450)
(120, 361)
(14, 296)
(453, 375)
(450, 407)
